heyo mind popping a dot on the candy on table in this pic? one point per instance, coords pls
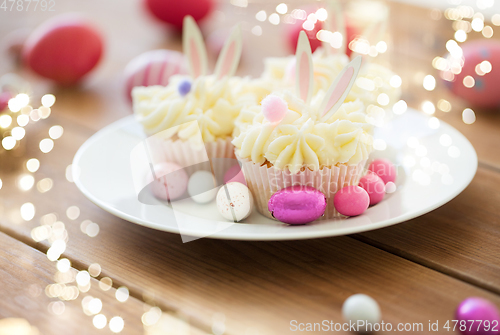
(173, 12)
(201, 187)
(274, 108)
(479, 78)
(374, 186)
(361, 307)
(384, 169)
(234, 174)
(351, 201)
(171, 181)
(234, 201)
(63, 49)
(478, 309)
(153, 67)
(297, 204)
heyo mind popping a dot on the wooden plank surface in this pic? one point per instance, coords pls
(425, 267)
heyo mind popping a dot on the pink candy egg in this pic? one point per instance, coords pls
(171, 182)
(153, 68)
(384, 169)
(481, 67)
(234, 174)
(351, 201)
(478, 309)
(374, 186)
(297, 204)
(173, 11)
(274, 108)
(63, 49)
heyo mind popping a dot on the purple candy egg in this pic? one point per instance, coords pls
(297, 204)
(478, 309)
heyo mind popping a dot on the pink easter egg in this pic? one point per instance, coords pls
(153, 68)
(234, 174)
(297, 204)
(384, 169)
(171, 182)
(374, 186)
(484, 313)
(351, 201)
(274, 108)
(4, 100)
(63, 49)
(172, 12)
(481, 68)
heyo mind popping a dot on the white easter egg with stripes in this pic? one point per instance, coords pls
(153, 68)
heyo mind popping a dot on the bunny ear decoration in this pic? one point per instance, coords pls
(230, 55)
(194, 48)
(339, 89)
(334, 6)
(303, 68)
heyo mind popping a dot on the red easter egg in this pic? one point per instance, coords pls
(293, 30)
(481, 67)
(153, 68)
(63, 49)
(173, 11)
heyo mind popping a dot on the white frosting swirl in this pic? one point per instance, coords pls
(301, 140)
(215, 104)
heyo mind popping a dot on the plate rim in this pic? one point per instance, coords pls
(256, 237)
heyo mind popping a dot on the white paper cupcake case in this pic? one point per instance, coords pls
(190, 157)
(264, 181)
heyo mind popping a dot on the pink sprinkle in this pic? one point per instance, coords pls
(274, 108)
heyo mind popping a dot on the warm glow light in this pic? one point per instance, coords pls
(116, 324)
(487, 32)
(5, 121)
(105, 283)
(444, 105)
(321, 14)
(308, 25)
(46, 145)
(122, 294)
(73, 212)
(22, 120)
(261, 15)
(469, 82)
(22, 99)
(83, 278)
(63, 265)
(274, 19)
(429, 82)
(460, 35)
(44, 185)
(9, 142)
(395, 81)
(428, 107)
(383, 99)
(27, 211)
(434, 123)
(468, 116)
(26, 182)
(33, 165)
(55, 132)
(94, 270)
(151, 317)
(44, 112)
(477, 24)
(95, 306)
(99, 321)
(257, 30)
(485, 66)
(282, 8)
(92, 229)
(400, 107)
(381, 47)
(495, 19)
(48, 100)
(18, 133)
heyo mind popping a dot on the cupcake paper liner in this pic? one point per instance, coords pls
(264, 181)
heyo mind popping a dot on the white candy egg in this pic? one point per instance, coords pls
(202, 187)
(234, 201)
(360, 307)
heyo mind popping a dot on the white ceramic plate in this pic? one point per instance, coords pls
(436, 163)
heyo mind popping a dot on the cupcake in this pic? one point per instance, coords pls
(192, 118)
(321, 141)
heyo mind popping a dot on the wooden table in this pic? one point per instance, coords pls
(418, 270)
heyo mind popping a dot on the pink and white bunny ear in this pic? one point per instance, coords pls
(194, 48)
(303, 68)
(339, 89)
(229, 57)
(337, 25)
